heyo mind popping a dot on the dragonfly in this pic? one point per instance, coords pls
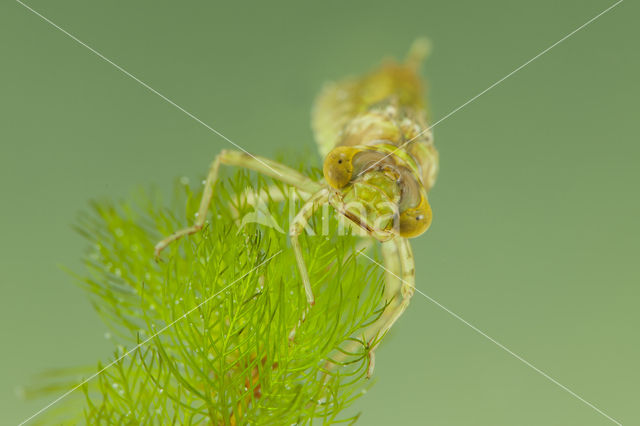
(379, 164)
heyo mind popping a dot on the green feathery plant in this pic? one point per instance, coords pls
(230, 361)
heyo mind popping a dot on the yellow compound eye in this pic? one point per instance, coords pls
(415, 221)
(338, 166)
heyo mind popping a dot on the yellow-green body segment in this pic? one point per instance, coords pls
(379, 164)
(378, 147)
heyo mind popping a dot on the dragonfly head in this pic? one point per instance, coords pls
(379, 195)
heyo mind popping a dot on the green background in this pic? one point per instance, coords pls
(535, 233)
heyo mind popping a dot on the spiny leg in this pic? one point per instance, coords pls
(392, 283)
(297, 226)
(407, 288)
(238, 158)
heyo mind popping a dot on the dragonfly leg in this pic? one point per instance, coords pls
(392, 284)
(240, 159)
(395, 309)
(392, 269)
(296, 228)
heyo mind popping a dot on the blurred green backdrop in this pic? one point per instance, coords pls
(535, 234)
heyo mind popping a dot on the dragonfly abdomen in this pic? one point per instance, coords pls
(400, 133)
(384, 107)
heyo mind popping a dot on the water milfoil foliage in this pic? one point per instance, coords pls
(230, 360)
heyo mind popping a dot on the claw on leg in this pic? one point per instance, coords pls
(400, 278)
(207, 195)
(407, 288)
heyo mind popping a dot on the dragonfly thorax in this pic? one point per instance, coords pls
(371, 201)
